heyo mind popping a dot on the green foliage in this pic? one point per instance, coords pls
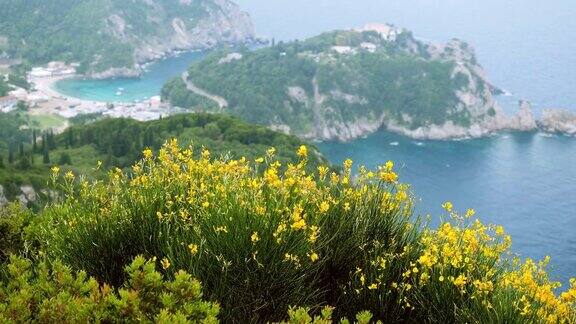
(391, 81)
(13, 221)
(209, 230)
(82, 31)
(53, 293)
(263, 241)
(3, 87)
(119, 143)
(19, 81)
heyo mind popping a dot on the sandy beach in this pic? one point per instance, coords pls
(45, 99)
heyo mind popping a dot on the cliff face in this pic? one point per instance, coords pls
(113, 37)
(187, 25)
(221, 21)
(346, 84)
(558, 121)
(473, 113)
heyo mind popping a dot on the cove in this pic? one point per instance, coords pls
(129, 89)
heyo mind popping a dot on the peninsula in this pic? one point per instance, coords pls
(346, 84)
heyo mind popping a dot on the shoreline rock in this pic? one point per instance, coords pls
(558, 121)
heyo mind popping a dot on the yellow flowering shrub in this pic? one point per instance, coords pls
(260, 234)
(469, 266)
(264, 236)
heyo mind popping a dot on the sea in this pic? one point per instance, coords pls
(524, 181)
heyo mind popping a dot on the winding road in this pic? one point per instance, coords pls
(222, 103)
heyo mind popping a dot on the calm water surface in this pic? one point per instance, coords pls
(129, 89)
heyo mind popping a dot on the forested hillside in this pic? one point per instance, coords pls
(113, 33)
(345, 84)
(120, 142)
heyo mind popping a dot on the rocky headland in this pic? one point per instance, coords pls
(356, 82)
(558, 121)
(115, 38)
(223, 22)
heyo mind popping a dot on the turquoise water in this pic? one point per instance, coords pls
(527, 182)
(142, 88)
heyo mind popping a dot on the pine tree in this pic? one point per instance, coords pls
(46, 155)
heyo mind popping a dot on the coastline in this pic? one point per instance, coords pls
(45, 99)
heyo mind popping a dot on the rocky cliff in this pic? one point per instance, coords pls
(114, 37)
(346, 84)
(220, 22)
(558, 121)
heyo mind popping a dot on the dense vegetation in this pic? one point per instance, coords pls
(395, 80)
(119, 143)
(260, 240)
(81, 31)
(3, 87)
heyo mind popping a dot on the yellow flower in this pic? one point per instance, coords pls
(205, 154)
(314, 257)
(302, 151)
(388, 176)
(193, 249)
(259, 160)
(165, 264)
(470, 212)
(314, 230)
(441, 278)
(348, 164)
(271, 151)
(448, 206)
(460, 281)
(347, 206)
(69, 175)
(322, 171)
(389, 165)
(147, 153)
(324, 206)
(254, 238)
(299, 224)
(499, 230)
(55, 169)
(373, 286)
(205, 204)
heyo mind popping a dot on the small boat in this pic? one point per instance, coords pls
(119, 93)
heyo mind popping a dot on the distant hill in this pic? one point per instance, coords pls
(120, 142)
(112, 36)
(345, 84)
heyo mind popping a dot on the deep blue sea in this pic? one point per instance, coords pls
(526, 182)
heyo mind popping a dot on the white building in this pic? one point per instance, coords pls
(342, 49)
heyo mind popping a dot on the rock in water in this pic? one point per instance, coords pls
(558, 121)
(524, 119)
